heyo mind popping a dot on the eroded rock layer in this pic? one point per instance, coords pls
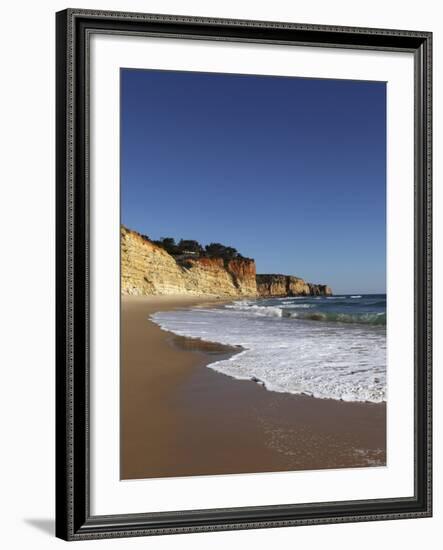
(288, 285)
(147, 269)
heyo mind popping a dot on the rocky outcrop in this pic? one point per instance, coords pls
(319, 290)
(148, 269)
(288, 285)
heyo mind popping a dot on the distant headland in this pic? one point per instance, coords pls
(165, 267)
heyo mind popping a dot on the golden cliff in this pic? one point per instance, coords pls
(288, 285)
(147, 269)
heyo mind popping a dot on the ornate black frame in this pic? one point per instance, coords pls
(74, 28)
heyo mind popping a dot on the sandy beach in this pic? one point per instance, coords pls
(180, 418)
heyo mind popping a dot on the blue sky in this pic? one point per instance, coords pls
(290, 171)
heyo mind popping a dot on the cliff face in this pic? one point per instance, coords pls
(147, 269)
(288, 285)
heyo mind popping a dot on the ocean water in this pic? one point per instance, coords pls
(327, 347)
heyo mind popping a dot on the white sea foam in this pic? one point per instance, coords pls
(325, 360)
(296, 306)
(261, 311)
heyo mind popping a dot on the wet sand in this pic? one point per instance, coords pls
(180, 418)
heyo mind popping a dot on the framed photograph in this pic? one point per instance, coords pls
(243, 274)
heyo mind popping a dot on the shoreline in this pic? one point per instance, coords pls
(180, 418)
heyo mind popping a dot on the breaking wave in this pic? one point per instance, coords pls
(286, 350)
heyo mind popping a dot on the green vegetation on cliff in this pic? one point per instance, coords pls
(194, 248)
